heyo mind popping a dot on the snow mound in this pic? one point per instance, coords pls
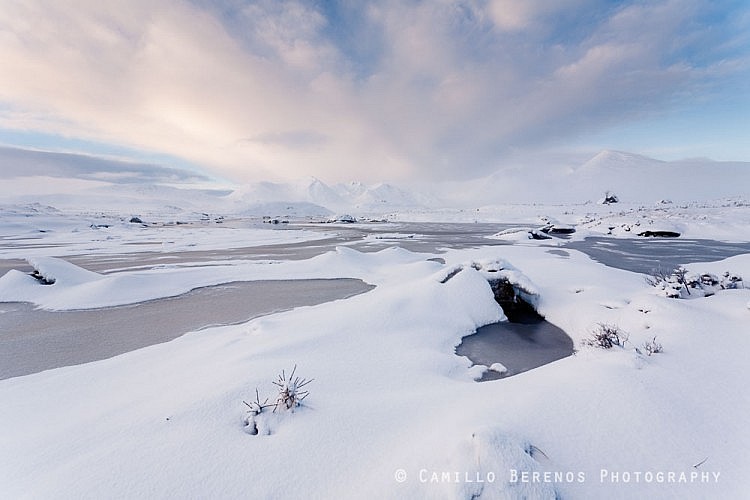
(60, 272)
(54, 282)
(508, 284)
(635, 223)
(496, 466)
(495, 270)
(52, 277)
(498, 367)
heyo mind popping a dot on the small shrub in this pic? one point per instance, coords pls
(606, 336)
(290, 396)
(672, 283)
(256, 408)
(290, 390)
(731, 281)
(679, 283)
(653, 347)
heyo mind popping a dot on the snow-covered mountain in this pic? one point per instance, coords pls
(313, 192)
(385, 194)
(78, 182)
(633, 178)
(309, 190)
(641, 179)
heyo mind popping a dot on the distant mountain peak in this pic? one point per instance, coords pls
(607, 159)
(340, 197)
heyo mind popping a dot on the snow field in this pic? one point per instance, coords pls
(391, 407)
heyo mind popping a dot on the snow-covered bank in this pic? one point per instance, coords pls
(394, 412)
(30, 231)
(725, 219)
(36, 230)
(75, 288)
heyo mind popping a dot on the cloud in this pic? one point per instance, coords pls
(20, 163)
(295, 139)
(513, 16)
(385, 90)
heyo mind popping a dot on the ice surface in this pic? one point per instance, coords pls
(35, 340)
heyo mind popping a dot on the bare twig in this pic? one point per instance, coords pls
(256, 406)
(700, 463)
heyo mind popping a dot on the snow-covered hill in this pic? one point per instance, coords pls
(313, 192)
(641, 179)
(633, 178)
(77, 182)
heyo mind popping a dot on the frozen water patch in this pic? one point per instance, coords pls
(510, 348)
(648, 255)
(523, 340)
(35, 340)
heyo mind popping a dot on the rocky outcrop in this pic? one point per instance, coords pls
(557, 229)
(659, 234)
(512, 289)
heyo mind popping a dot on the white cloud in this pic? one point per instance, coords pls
(163, 76)
(269, 91)
(515, 15)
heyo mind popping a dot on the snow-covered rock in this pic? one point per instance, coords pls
(62, 273)
(344, 218)
(498, 368)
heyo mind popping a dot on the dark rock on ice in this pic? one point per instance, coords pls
(659, 234)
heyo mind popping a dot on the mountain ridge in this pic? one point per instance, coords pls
(634, 178)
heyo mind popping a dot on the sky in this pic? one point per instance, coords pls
(374, 90)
